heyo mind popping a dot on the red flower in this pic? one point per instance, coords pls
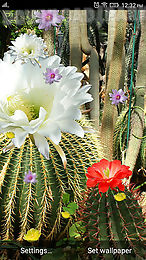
(107, 174)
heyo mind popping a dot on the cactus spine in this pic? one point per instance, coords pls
(112, 224)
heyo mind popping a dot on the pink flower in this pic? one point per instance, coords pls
(107, 174)
(117, 96)
(30, 177)
(52, 75)
(46, 18)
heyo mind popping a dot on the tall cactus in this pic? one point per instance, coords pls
(39, 205)
(79, 43)
(48, 36)
(113, 82)
(137, 117)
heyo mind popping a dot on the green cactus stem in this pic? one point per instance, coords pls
(112, 224)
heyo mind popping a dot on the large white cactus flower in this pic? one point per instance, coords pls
(40, 101)
(28, 47)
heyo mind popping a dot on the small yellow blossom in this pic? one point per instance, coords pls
(65, 214)
(10, 135)
(120, 196)
(32, 235)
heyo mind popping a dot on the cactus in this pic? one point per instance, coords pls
(114, 80)
(120, 136)
(79, 43)
(65, 48)
(137, 118)
(39, 205)
(48, 36)
(112, 225)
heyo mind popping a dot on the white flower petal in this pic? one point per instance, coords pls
(71, 113)
(57, 110)
(82, 97)
(61, 153)
(42, 145)
(54, 61)
(19, 118)
(51, 130)
(5, 123)
(34, 124)
(72, 127)
(19, 138)
(69, 70)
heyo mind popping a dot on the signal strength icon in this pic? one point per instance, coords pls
(5, 5)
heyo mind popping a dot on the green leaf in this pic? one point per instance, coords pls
(73, 205)
(76, 229)
(66, 197)
(66, 209)
(71, 208)
(73, 232)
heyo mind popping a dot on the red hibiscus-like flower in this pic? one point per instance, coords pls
(107, 174)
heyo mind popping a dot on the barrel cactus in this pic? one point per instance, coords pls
(44, 151)
(25, 205)
(113, 220)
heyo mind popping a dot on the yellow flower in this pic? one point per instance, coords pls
(32, 235)
(10, 135)
(65, 214)
(120, 196)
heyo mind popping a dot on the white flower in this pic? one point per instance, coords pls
(27, 47)
(30, 106)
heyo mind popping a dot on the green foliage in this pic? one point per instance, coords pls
(77, 229)
(71, 208)
(27, 24)
(66, 197)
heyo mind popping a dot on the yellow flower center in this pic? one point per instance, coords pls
(107, 172)
(118, 97)
(52, 75)
(49, 17)
(16, 102)
(28, 50)
(31, 102)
